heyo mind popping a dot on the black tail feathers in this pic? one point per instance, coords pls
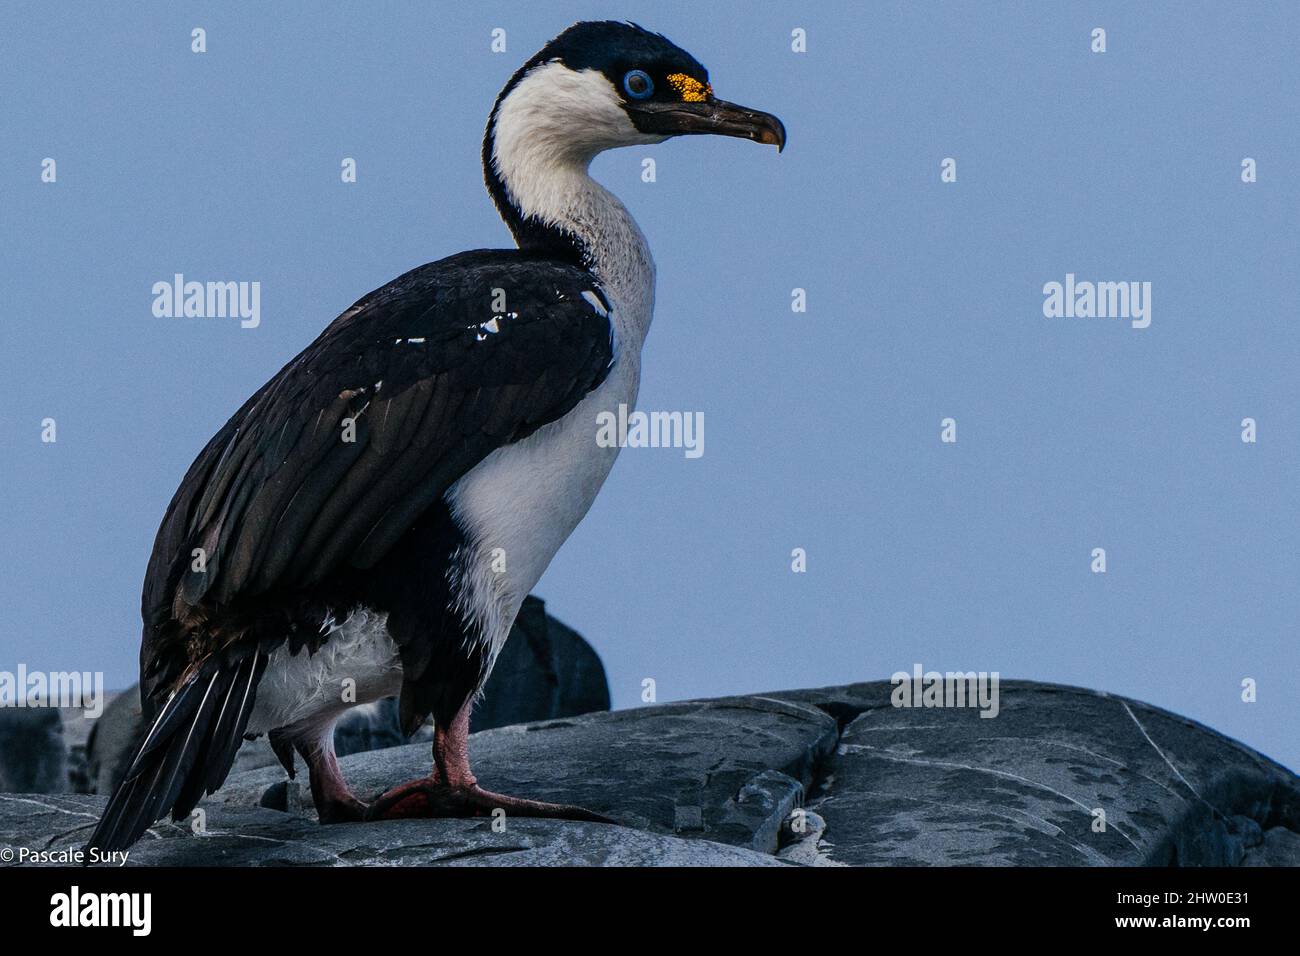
(187, 752)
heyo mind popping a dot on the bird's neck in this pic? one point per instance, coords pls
(543, 190)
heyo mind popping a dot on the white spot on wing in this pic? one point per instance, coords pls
(594, 301)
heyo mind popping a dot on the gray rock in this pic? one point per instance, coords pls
(803, 840)
(727, 770)
(947, 787)
(254, 755)
(545, 670)
(826, 777)
(1277, 847)
(369, 727)
(110, 740)
(252, 836)
(77, 727)
(33, 752)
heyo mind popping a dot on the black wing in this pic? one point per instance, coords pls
(427, 376)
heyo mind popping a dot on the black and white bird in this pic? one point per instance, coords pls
(369, 522)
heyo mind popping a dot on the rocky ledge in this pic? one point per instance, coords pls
(836, 776)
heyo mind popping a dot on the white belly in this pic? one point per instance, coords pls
(358, 664)
(525, 499)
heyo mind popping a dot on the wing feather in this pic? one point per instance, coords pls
(433, 382)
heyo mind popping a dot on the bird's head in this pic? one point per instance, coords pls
(601, 85)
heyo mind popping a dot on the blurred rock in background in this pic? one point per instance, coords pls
(33, 753)
(546, 670)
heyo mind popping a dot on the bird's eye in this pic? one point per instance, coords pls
(638, 84)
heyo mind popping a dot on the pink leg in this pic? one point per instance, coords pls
(452, 791)
(329, 791)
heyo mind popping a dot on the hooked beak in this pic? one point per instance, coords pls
(708, 116)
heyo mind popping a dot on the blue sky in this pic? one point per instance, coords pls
(924, 302)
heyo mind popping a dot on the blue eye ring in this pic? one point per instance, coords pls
(638, 85)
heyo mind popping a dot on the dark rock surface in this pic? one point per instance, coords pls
(835, 776)
(545, 670)
(78, 724)
(111, 736)
(1277, 847)
(368, 727)
(728, 770)
(33, 753)
(251, 836)
(947, 787)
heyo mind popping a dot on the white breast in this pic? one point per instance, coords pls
(521, 502)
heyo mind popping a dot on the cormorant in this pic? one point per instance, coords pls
(369, 522)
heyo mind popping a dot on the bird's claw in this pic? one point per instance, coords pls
(429, 797)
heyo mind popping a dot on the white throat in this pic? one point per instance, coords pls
(546, 133)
